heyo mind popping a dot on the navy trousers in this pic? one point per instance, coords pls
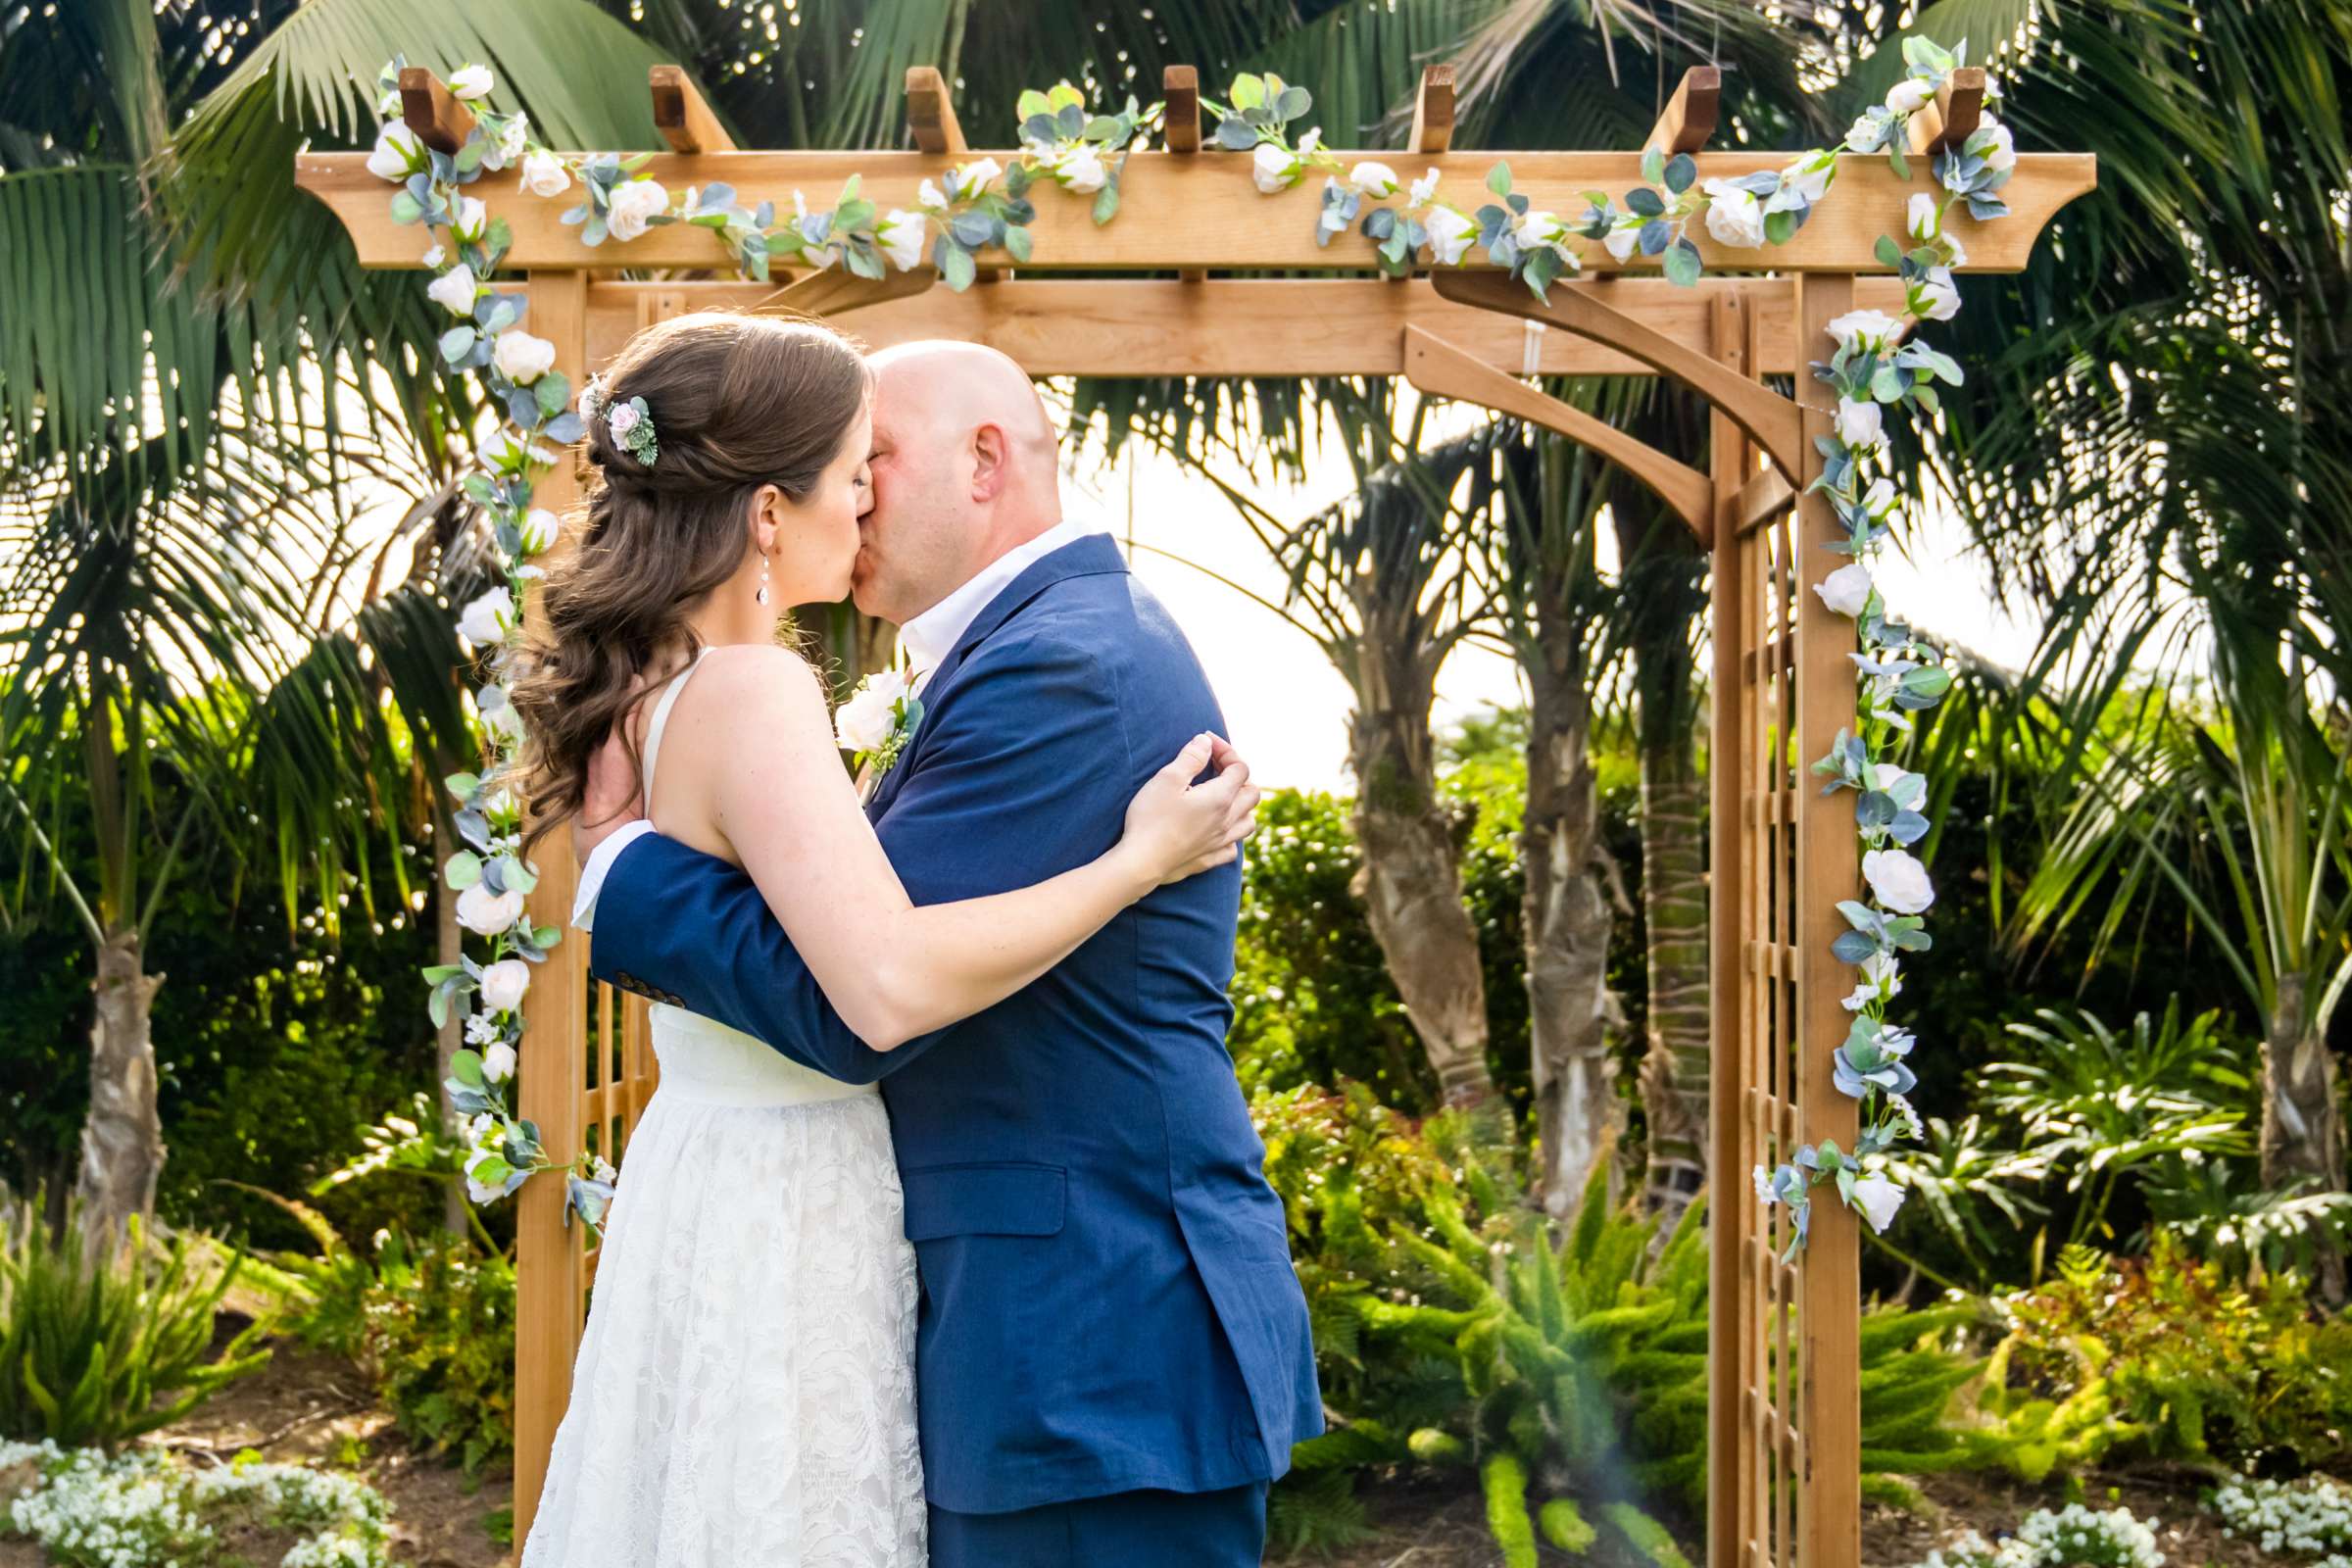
(1125, 1530)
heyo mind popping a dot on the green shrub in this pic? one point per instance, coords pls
(102, 1342)
(438, 1339)
(2199, 1368)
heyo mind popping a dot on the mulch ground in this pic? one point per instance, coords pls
(308, 1407)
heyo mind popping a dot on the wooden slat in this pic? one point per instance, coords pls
(1772, 657)
(550, 1277)
(684, 119)
(1958, 109)
(1761, 499)
(1231, 326)
(931, 116)
(1433, 111)
(440, 120)
(1180, 95)
(1179, 210)
(1437, 366)
(1593, 311)
(1688, 117)
(1828, 870)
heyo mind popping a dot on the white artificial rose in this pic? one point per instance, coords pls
(928, 196)
(1539, 230)
(398, 153)
(1860, 423)
(1080, 170)
(1897, 881)
(1377, 181)
(1923, 218)
(1868, 130)
(544, 175)
(1846, 591)
(635, 203)
(1905, 788)
(1939, 295)
(500, 716)
(1806, 181)
(1275, 168)
(539, 531)
(504, 983)
(901, 235)
(1907, 96)
(485, 621)
(1878, 1199)
(1879, 499)
(486, 913)
(472, 219)
(1735, 217)
(455, 290)
(2000, 146)
(1621, 239)
(973, 178)
(471, 83)
(480, 1127)
(513, 139)
(498, 1062)
(522, 357)
(435, 255)
(1450, 234)
(479, 1191)
(1871, 329)
(1424, 189)
(865, 721)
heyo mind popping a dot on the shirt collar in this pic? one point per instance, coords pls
(932, 635)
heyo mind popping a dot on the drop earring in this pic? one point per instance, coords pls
(762, 595)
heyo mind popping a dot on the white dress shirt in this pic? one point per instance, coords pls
(931, 636)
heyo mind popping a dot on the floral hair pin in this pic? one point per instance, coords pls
(631, 422)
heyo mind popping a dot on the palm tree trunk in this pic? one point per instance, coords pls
(1674, 907)
(2302, 1134)
(1567, 921)
(1411, 881)
(123, 1137)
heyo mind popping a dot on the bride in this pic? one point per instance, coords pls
(744, 1397)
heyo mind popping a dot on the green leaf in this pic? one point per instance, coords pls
(1032, 103)
(1888, 253)
(554, 392)
(958, 269)
(1106, 203)
(1294, 104)
(1644, 201)
(405, 209)
(467, 1068)
(1682, 263)
(1017, 243)
(1682, 172)
(457, 343)
(461, 785)
(1654, 165)
(1248, 91)
(463, 870)
(1498, 179)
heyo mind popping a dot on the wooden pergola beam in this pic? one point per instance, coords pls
(1433, 111)
(438, 116)
(1689, 118)
(1437, 366)
(684, 119)
(931, 115)
(1958, 109)
(1770, 420)
(1201, 209)
(1180, 115)
(1225, 326)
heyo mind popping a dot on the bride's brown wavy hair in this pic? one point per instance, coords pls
(737, 401)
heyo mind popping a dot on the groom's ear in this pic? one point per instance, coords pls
(992, 462)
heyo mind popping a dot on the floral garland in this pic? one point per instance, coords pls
(1084, 155)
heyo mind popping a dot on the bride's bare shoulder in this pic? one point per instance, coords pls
(762, 683)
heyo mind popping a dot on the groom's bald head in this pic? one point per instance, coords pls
(964, 468)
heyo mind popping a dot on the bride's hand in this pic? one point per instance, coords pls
(1176, 829)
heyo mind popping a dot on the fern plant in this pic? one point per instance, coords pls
(101, 1341)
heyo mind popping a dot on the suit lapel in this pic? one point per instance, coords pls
(1092, 556)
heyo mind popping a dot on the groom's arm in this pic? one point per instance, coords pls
(1023, 773)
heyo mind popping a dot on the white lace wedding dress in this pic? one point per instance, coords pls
(744, 1397)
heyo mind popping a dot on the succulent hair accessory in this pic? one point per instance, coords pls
(631, 422)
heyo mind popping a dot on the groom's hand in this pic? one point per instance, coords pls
(612, 802)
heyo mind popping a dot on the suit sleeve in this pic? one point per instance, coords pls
(1021, 774)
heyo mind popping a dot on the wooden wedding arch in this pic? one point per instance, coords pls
(1785, 1417)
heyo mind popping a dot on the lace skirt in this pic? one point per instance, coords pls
(744, 1397)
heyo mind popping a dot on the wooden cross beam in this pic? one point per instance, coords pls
(1689, 118)
(1225, 326)
(438, 116)
(931, 115)
(1954, 116)
(685, 122)
(1200, 210)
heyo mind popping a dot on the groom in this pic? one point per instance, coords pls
(1112, 1360)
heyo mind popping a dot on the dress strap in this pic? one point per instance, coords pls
(660, 722)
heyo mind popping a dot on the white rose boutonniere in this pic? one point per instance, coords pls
(873, 725)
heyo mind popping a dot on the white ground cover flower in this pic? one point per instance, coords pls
(2313, 1515)
(145, 1508)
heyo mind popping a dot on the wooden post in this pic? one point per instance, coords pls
(1730, 1218)
(684, 119)
(1688, 117)
(1433, 111)
(1828, 870)
(550, 1275)
(931, 112)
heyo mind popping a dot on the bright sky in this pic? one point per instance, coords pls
(1288, 706)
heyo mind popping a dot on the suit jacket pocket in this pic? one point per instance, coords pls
(984, 1199)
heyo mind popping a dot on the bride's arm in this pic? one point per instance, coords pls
(893, 970)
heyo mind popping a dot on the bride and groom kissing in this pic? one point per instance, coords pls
(944, 1238)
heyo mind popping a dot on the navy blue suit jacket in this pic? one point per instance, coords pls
(1108, 1299)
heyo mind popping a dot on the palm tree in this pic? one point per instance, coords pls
(198, 387)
